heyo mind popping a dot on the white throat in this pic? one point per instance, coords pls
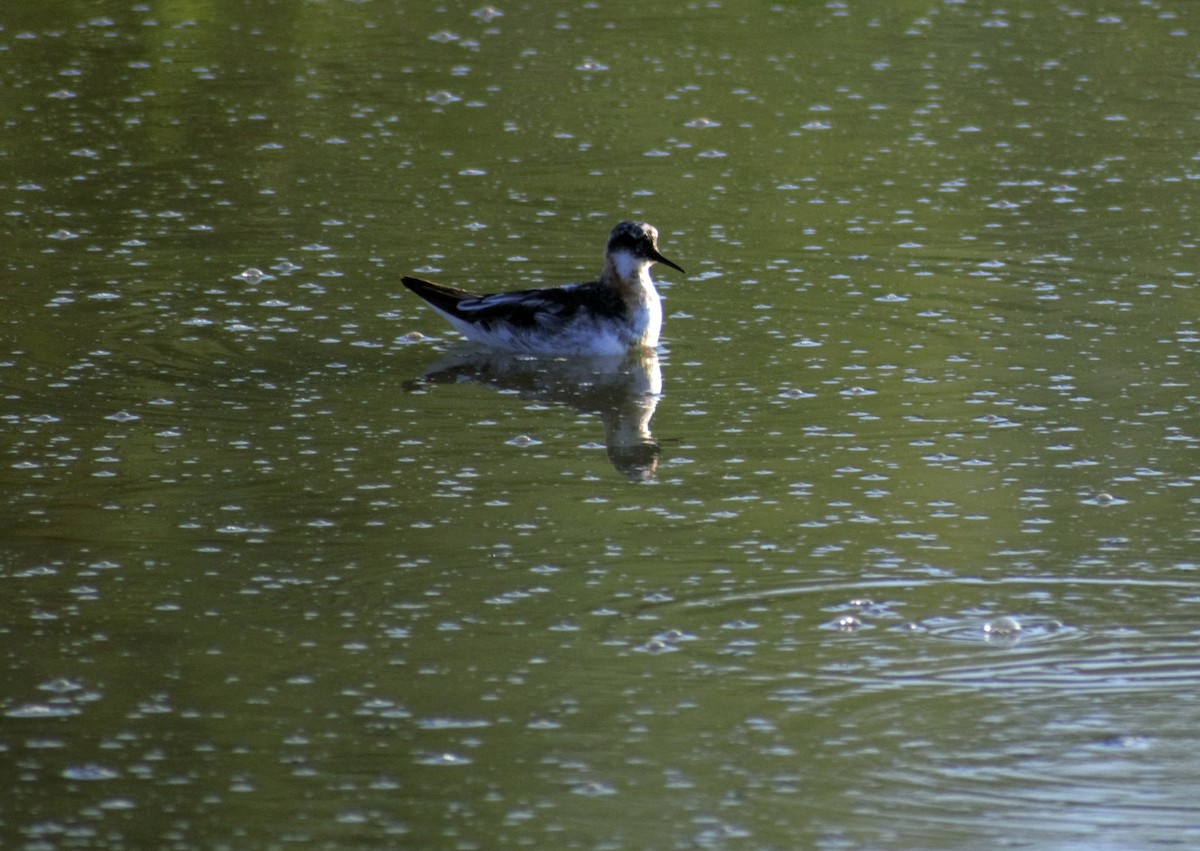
(630, 267)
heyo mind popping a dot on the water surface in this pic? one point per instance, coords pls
(891, 545)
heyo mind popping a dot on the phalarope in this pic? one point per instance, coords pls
(609, 316)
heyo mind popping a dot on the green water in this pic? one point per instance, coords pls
(283, 563)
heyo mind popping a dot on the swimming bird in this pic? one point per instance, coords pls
(609, 316)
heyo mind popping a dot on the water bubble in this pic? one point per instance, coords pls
(89, 771)
(719, 834)
(523, 440)
(117, 804)
(487, 14)
(446, 758)
(60, 685)
(594, 789)
(1103, 498)
(1002, 626)
(443, 98)
(656, 646)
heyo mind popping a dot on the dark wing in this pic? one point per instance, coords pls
(538, 308)
(443, 298)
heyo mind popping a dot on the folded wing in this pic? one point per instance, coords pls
(521, 309)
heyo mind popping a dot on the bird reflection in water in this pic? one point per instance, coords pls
(623, 389)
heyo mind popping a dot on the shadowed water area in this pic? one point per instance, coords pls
(893, 544)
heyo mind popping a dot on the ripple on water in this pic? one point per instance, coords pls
(1040, 706)
(1013, 633)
